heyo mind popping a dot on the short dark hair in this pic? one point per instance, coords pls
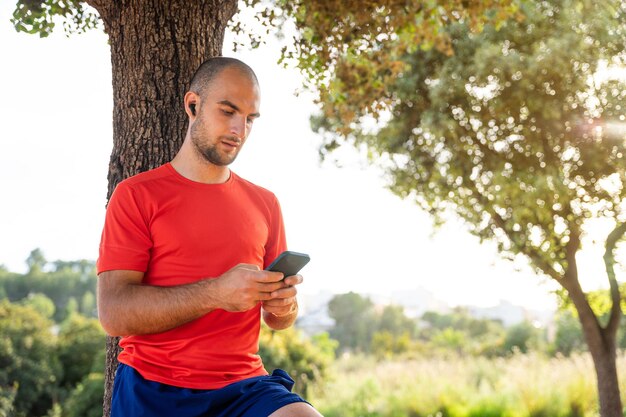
(210, 68)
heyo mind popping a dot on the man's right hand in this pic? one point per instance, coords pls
(128, 307)
(243, 286)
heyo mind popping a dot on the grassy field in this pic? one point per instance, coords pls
(530, 385)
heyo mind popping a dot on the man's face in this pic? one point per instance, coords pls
(224, 116)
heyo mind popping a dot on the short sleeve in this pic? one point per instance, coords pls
(276, 242)
(126, 241)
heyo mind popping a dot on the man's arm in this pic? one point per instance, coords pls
(127, 307)
(281, 311)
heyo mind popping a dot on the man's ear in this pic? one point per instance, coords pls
(191, 102)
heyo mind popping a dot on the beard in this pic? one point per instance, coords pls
(209, 151)
(211, 154)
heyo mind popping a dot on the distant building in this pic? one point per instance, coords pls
(511, 314)
(418, 301)
(313, 316)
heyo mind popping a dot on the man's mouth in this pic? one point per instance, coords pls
(231, 142)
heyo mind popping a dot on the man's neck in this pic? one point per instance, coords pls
(194, 168)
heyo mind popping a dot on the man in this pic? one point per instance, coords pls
(181, 270)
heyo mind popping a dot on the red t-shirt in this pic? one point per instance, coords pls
(178, 231)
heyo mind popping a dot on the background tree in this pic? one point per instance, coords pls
(393, 320)
(80, 341)
(53, 354)
(41, 303)
(70, 285)
(522, 337)
(36, 261)
(516, 133)
(86, 399)
(462, 332)
(354, 321)
(568, 337)
(155, 48)
(29, 369)
(393, 332)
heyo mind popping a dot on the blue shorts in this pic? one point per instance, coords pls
(134, 396)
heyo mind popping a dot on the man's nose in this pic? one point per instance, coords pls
(239, 127)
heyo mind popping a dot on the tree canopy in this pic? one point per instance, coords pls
(516, 115)
(518, 132)
(521, 133)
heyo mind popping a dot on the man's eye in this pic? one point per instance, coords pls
(249, 121)
(228, 112)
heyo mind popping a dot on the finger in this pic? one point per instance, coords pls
(280, 311)
(269, 276)
(270, 287)
(294, 280)
(286, 292)
(279, 302)
(264, 297)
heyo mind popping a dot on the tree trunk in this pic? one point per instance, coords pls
(156, 46)
(603, 352)
(602, 346)
(608, 387)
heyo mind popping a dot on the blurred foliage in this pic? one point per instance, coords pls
(353, 315)
(393, 320)
(80, 341)
(455, 332)
(38, 16)
(349, 50)
(530, 385)
(387, 332)
(599, 301)
(70, 285)
(522, 337)
(86, 399)
(49, 352)
(7, 400)
(515, 132)
(28, 361)
(42, 374)
(359, 327)
(568, 337)
(308, 361)
(41, 303)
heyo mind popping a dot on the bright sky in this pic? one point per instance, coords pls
(56, 137)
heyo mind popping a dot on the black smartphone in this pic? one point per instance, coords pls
(289, 263)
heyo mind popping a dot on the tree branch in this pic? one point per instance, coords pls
(571, 274)
(532, 253)
(609, 263)
(500, 223)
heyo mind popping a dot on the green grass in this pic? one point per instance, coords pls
(530, 385)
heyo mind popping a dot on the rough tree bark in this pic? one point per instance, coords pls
(156, 45)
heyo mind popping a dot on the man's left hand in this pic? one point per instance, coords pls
(283, 303)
